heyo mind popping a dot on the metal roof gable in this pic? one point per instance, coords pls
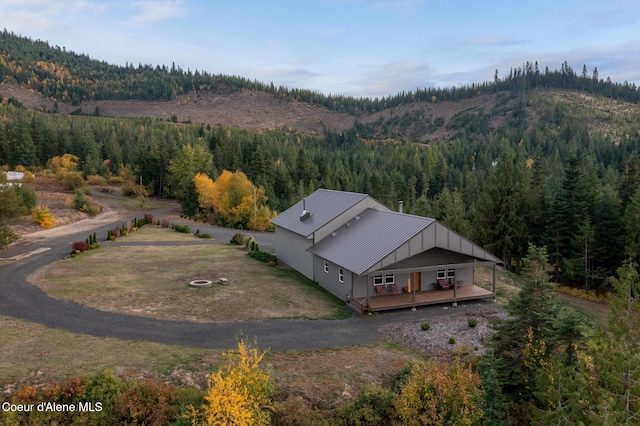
(369, 238)
(323, 206)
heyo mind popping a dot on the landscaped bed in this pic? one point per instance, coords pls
(153, 280)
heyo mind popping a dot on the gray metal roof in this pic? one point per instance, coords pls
(369, 239)
(323, 206)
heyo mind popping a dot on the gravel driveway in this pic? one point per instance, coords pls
(20, 299)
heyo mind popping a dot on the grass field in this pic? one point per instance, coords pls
(33, 354)
(152, 280)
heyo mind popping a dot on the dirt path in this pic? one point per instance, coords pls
(595, 310)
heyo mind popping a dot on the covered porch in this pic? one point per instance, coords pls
(412, 296)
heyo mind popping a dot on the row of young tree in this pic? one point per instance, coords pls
(553, 181)
(73, 78)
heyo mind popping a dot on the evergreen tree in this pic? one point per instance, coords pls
(616, 355)
(630, 179)
(632, 227)
(22, 148)
(500, 222)
(568, 212)
(539, 332)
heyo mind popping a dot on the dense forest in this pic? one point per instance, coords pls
(535, 179)
(545, 174)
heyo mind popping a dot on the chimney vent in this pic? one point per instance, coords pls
(400, 206)
(305, 214)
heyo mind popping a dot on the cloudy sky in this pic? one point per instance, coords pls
(354, 47)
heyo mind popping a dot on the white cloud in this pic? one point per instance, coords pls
(34, 17)
(154, 11)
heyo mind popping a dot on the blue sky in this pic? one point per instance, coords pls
(368, 48)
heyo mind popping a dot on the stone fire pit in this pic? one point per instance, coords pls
(200, 283)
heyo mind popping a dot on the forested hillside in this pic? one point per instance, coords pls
(548, 157)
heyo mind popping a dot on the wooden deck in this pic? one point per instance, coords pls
(429, 297)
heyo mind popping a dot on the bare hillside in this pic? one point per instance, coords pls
(258, 111)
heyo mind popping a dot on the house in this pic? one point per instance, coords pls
(375, 258)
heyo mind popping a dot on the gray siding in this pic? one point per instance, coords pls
(291, 249)
(330, 281)
(432, 257)
(360, 286)
(346, 216)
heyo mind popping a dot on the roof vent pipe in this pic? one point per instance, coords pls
(400, 206)
(305, 214)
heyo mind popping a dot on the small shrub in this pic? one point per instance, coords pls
(116, 233)
(262, 256)
(130, 189)
(42, 217)
(26, 195)
(93, 209)
(165, 223)
(81, 201)
(237, 239)
(249, 242)
(7, 236)
(147, 403)
(96, 180)
(452, 340)
(28, 177)
(69, 180)
(472, 322)
(182, 228)
(425, 326)
(205, 236)
(105, 387)
(297, 411)
(148, 218)
(115, 180)
(372, 406)
(80, 246)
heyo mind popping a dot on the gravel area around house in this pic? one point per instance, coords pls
(446, 323)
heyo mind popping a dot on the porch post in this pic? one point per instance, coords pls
(494, 282)
(455, 294)
(367, 299)
(413, 287)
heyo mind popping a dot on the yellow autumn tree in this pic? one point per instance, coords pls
(234, 200)
(64, 163)
(239, 393)
(440, 394)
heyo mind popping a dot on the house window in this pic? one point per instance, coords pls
(340, 275)
(326, 266)
(378, 280)
(446, 273)
(389, 279)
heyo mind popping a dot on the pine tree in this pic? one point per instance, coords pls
(500, 222)
(632, 227)
(616, 355)
(539, 332)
